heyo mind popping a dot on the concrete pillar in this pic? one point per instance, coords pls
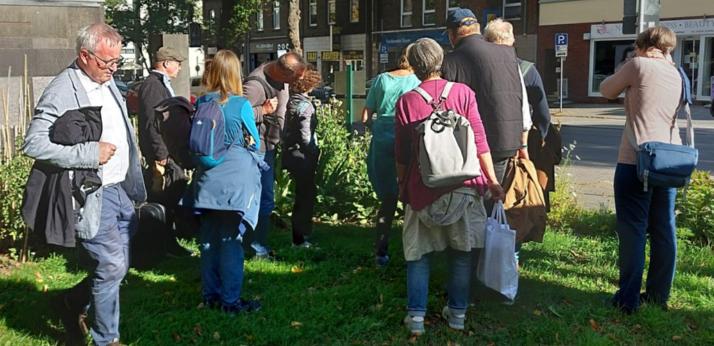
(182, 83)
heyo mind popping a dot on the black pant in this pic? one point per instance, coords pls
(499, 166)
(302, 166)
(385, 216)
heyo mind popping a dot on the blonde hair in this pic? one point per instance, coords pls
(499, 31)
(659, 37)
(466, 30)
(223, 75)
(403, 60)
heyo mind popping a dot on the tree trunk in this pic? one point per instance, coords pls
(294, 25)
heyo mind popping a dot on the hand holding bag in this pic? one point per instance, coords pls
(497, 268)
(664, 164)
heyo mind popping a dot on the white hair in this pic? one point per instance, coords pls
(425, 56)
(91, 35)
(499, 31)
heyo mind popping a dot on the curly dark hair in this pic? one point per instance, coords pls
(310, 80)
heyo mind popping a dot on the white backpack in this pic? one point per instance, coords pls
(447, 148)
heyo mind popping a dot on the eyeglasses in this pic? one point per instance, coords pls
(107, 63)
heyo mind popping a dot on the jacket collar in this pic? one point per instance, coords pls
(469, 38)
(81, 94)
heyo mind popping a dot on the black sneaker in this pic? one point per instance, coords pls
(242, 306)
(73, 318)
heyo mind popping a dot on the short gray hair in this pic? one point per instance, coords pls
(425, 56)
(499, 31)
(91, 35)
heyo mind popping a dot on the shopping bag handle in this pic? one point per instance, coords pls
(498, 213)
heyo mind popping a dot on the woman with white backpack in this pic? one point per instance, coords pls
(450, 214)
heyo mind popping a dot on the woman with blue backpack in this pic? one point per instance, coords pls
(225, 190)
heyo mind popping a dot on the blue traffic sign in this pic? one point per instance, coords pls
(561, 39)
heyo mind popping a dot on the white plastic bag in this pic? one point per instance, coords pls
(497, 267)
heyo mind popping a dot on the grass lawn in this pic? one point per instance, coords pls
(336, 296)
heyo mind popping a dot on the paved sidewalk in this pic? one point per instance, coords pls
(594, 132)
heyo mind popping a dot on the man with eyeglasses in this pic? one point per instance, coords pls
(107, 220)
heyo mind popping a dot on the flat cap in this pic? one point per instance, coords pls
(460, 16)
(169, 54)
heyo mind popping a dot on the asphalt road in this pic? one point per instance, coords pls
(594, 134)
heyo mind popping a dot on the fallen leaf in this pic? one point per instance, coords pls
(594, 325)
(676, 338)
(296, 269)
(296, 324)
(216, 336)
(413, 339)
(197, 329)
(357, 270)
(637, 327)
(552, 309)
(176, 337)
(537, 312)
(38, 277)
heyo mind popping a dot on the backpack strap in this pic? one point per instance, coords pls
(445, 92)
(266, 87)
(424, 94)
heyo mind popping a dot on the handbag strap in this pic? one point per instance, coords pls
(685, 100)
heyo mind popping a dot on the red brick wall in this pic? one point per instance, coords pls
(576, 65)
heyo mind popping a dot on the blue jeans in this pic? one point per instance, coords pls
(221, 256)
(267, 199)
(458, 288)
(109, 256)
(640, 214)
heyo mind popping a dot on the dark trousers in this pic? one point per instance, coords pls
(385, 216)
(302, 167)
(641, 214)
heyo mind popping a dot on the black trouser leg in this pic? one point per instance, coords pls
(385, 216)
(304, 205)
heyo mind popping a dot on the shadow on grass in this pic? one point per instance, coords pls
(335, 295)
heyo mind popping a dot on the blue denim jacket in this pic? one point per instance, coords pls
(64, 93)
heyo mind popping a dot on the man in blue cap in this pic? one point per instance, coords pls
(492, 72)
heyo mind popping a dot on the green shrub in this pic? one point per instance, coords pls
(13, 177)
(694, 211)
(343, 189)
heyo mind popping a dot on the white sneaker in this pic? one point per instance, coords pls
(306, 245)
(415, 324)
(456, 321)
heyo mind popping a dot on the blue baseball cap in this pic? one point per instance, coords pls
(460, 16)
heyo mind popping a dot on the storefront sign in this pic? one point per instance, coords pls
(330, 56)
(680, 27)
(268, 47)
(353, 55)
(399, 40)
(311, 57)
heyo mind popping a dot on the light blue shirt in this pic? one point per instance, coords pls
(167, 82)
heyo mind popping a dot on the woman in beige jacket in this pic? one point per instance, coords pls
(653, 88)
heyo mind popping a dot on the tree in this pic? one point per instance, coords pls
(243, 15)
(294, 25)
(143, 18)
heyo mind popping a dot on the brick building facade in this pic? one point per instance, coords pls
(597, 45)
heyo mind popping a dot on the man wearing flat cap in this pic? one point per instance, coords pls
(492, 72)
(156, 88)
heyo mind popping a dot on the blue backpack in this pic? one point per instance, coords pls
(206, 142)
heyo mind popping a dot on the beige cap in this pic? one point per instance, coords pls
(168, 54)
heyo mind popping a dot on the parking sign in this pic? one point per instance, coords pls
(561, 44)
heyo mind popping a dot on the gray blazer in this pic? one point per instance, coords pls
(64, 93)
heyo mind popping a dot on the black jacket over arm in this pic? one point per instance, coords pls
(151, 93)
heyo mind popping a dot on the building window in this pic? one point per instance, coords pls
(451, 5)
(259, 19)
(428, 12)
(331, 12)
(406, 13)
(511, 9)
(313, 13)
(276, 15)
(606, 57)
(354, 11)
